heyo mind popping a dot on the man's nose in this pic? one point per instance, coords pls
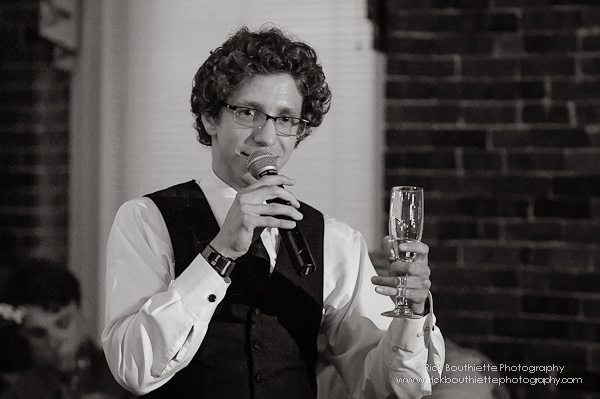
(55, 339)
(54, 342)
(265, 135)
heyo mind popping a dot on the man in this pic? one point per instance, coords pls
(64, 362)
(14, 350)
(183, 321)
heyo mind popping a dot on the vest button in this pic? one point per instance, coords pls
(257, 345)
(212, 298)
(257, 311)
(258, 377)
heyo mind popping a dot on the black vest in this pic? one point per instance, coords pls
(262, 339)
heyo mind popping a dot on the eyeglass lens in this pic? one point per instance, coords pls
(254, 118)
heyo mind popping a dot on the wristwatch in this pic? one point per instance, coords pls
(222, 265)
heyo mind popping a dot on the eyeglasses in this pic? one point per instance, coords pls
(250, 117)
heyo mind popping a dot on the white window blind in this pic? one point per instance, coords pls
(149, 51)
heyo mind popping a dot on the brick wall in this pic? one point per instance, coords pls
(493, 106)
(34, 142)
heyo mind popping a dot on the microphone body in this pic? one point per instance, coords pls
(293, 239)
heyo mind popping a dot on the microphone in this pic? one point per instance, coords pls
(261, 163)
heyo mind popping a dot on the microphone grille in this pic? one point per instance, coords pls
(261, 161)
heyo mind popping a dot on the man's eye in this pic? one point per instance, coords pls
(246, 112)
(36, 332)
(289, 120)
(63, 323)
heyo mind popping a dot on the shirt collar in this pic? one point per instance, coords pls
(219, 195)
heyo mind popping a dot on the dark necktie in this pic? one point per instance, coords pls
(257, 248)
(254, 274)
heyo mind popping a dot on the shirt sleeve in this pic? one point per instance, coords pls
(154, 322)
(375, 356)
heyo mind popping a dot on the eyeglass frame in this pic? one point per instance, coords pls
(234, 108)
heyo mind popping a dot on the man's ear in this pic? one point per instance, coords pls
(210, 124)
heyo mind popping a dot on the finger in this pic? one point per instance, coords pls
(275, 180)
(273, 222)
(252, 222)
(417, 295)
(281, 195)
(277, 210)
(270, 180)
(417, 268)
(420, 248)
(390, 284)
(262, 193)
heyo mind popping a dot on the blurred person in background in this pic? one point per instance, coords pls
(64, 362)
(14, 350)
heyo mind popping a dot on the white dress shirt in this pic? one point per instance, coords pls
(155, 322)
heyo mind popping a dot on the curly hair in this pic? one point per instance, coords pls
(246, 54)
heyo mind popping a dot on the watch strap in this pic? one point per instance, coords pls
(222, 264)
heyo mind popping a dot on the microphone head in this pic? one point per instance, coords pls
(262, 162)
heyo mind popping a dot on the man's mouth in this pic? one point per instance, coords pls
(247, 154)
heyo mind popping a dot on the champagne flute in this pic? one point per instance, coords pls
(405, 224)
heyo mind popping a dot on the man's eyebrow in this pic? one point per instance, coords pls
(36, 330)
(287, 111)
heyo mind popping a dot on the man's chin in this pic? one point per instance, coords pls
(243, 182)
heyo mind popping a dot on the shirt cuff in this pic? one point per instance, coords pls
(413, 334)
(201, 288)
(405, 333)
